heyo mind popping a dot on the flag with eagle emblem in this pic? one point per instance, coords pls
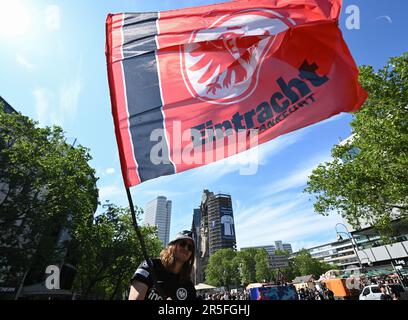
(190, 81)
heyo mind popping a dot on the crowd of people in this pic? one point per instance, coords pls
(386, 285)
(382, 279)
(315, 294)
(226, 295)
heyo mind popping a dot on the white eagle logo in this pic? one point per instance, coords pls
(181, 294)
(221, 64)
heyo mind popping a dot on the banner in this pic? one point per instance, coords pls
(193, 86)
(227, 223)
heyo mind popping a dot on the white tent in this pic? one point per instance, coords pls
(203, 286)
(253, 285)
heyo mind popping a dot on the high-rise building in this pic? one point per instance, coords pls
(270, 249)
(287, 247)
(217, 230)
(279, 245)
(195, 228)
(158, 213)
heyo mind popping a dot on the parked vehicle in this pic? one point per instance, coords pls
(373, 292)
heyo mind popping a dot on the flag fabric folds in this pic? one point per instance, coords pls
(189, 81)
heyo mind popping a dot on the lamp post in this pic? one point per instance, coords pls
(349, 236)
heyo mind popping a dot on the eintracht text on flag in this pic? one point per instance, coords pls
(192, 86)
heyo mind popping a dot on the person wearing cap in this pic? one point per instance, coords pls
(172, 270)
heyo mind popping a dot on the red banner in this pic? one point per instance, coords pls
(206, 75)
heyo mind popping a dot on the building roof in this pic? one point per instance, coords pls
(6, 106)
(303, 279)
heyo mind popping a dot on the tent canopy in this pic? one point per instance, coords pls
(254, 285)
(303, 279)
(204, 286)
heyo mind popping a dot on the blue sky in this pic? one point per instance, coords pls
(53, 70)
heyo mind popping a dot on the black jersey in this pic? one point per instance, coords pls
(171, 283)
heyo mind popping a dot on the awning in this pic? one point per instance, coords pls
(204, 286)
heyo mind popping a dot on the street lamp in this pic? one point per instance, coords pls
(349, 236)
(369, 261)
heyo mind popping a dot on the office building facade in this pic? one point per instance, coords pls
(339, 253)
(365, 248)
(276, 261)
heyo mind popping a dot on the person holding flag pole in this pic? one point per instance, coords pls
(213, 73)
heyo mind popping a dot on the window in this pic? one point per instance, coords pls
(375, 289)
(366, 291)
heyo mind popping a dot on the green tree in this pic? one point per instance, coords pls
(367, 180)
(222, 268)
(304, 264)
(279, 252)
(289, 273)
(247, 265)
(45, 185)
(109, 252)
(262, 267)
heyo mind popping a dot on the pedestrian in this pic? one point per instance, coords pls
(226, 295)
(172, 270)
(395, 295)
(384, 294)
(329, 295)
(302, 294)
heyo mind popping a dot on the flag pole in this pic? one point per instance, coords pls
(143, 245)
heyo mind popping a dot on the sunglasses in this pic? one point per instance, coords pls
(184, 243)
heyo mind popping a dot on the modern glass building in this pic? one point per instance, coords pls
(158, 213)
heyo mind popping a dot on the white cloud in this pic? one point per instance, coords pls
(298, 245)
(52, 110)
(42, 104)
(110, 171)
(69, 96)
(24, 62)
(167, 193)
(241, 162)
(109, 192)
(336, 117)
(53, 17)
(295, 179)
(387, 18)
(289, 225)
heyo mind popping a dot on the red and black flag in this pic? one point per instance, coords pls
(212, 71)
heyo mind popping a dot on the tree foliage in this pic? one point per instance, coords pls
(263, 272)
(247, 265)
(108, 253)
(304, 264)
(45, 184)
(368, 177)
(227, 267)
(222, 268)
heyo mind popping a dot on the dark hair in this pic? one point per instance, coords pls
(167, 257)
